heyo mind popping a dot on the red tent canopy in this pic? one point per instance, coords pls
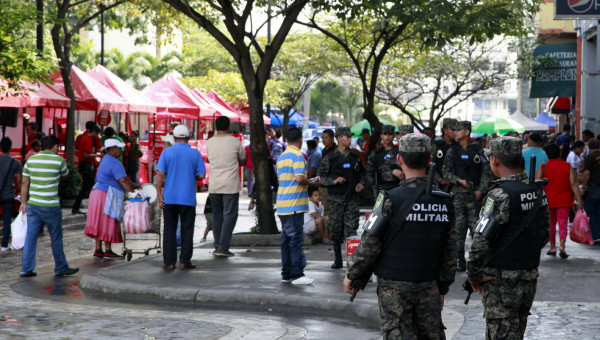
(243, 114)
(175, 100)
(89, 93)
(219, 109)
(36, 95)
(137, 101)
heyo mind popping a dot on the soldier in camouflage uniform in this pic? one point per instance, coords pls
(391, 171)
(410, 244)
(505, 254)
(387, 151)
(343, 174)
(468, 170)
(441, 148)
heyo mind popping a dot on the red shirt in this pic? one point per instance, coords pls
(248, 157)
(84, 143)
(558, 190)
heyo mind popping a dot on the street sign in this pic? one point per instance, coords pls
(577, 9)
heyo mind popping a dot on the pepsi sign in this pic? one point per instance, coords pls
(577, 9)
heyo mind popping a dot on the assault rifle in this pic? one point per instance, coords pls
(469, 289)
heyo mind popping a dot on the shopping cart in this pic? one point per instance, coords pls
(150, 240)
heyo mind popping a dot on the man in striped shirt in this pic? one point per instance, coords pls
(41, 176)
(292, 203)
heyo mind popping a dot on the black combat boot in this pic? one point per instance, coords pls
(462, 266)
(337, 251)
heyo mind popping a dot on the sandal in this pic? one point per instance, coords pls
(563, 255)
(551, 253)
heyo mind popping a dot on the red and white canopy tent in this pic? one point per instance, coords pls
(219, 109)
(244, 116)
(34, 95)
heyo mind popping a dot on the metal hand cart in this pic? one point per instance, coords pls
(152, 235)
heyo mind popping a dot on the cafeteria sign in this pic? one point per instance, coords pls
(577, 9)
(557, 74)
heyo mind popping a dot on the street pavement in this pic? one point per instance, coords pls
(242, 297)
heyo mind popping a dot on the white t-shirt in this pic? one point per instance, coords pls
(312, 207)
(574, 160)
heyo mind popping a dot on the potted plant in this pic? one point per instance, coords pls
(69, 187)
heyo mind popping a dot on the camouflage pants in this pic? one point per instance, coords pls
(343, 217)
(507, 304)
(466, 219)
(410, 315)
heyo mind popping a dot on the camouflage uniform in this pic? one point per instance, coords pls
(508, 298)
(408, 310)
(464, 203)
(377, 177)
(343, 213)
(440, 150)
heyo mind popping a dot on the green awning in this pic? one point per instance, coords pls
(557, 74)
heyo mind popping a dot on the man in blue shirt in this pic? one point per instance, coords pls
(314, 160)
(564, 141)
(535, 143)
(182, 166)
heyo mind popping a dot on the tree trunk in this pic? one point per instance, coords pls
(286, 122)
(261, 163)
(370, 116)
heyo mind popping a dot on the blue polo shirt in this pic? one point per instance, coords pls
(181, 164)
(109, 173)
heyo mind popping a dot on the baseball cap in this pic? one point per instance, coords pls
(181, 131)
(109, 143)
(415, 142)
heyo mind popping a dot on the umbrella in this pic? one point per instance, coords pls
(528, 123)
(545, 119)
(498, 125)
(364, 124)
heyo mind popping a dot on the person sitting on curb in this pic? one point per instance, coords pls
(314, 221)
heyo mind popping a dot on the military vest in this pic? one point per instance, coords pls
(441, 149)
(524, 251)
(468, 163)
(343, 166)
(414, 253)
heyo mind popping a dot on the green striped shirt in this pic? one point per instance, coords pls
(44, 171)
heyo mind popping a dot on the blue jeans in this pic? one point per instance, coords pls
(591, 204)
(293, 260)
(7, 209)
(132, 171)
(36, 217)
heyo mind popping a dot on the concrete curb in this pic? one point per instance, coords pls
(97, 284)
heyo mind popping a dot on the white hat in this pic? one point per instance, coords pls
(181, 131)
(109, 143)
(169, 139)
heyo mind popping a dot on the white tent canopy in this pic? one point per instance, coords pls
(528, 123)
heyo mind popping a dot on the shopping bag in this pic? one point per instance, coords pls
(136, 218)
(580, 229)
(18, 230)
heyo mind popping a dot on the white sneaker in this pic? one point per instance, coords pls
(286, 280)
(303, 281)
(9, 248)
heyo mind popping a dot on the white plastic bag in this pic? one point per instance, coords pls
(18, 230)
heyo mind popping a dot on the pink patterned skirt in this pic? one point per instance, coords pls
(98, 224)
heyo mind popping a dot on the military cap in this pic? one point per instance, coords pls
(415, 142)
(387, 129)
(505, 146)
(405, 129)
(343, 131)
(449, 123)
(465, 124)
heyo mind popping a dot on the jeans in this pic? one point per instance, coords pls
(36, 217)
(591, 205)
(7, 209)
(250, 179)
(87, 176)
(225, 213)
(132, 171)
(172, 214)
(293, 259)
